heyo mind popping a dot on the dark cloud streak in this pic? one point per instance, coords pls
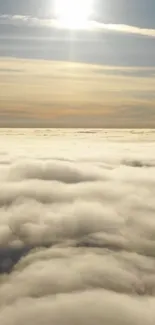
(107, 48)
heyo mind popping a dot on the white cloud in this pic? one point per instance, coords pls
(125, 29)
(92, 25)
(79, 210)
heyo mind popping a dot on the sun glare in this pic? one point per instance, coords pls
(73, 14)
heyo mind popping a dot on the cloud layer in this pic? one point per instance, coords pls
(77, 227)
(65, 94)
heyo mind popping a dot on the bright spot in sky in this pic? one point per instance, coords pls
(73, 14)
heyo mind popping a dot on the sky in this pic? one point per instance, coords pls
(100, 75)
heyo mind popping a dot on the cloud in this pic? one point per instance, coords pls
(19, 20)
(81, 94)
(125, 29)
(139, 13)
(77, 227)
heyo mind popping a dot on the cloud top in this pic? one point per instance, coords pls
(77, 230)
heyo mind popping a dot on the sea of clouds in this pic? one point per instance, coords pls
(77, 227)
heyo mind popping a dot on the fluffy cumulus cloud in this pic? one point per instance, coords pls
(77, 227)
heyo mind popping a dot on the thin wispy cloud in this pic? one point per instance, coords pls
(124, 29)
(20, 20)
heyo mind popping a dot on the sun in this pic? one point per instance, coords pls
(73, 14)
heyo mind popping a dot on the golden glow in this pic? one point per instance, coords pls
(81, 94)
(73, 14)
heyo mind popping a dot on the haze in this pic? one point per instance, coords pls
(100, 74)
